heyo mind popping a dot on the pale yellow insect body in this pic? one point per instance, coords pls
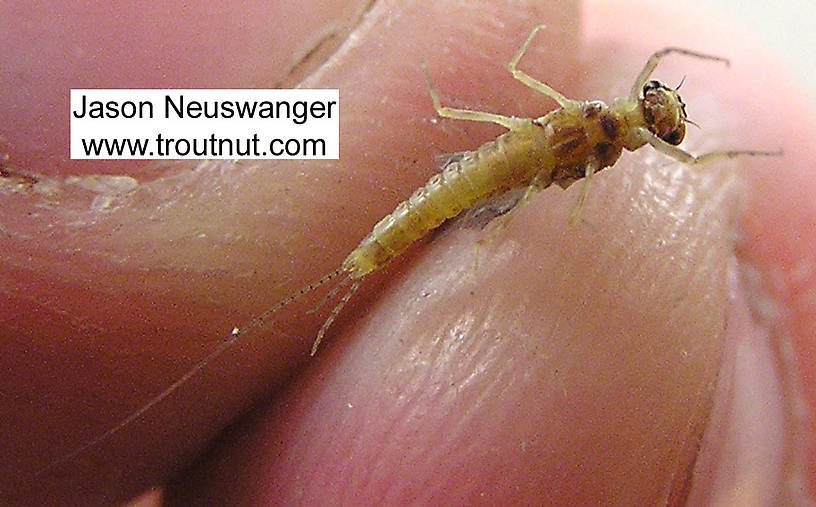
(561, 147)
(568, 144)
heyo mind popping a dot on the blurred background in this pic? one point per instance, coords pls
(787, 26)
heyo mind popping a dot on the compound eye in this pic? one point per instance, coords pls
(651, 85)
(676, 136)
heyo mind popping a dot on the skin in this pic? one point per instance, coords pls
(566, 363)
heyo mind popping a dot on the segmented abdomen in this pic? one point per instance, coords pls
(461, 184)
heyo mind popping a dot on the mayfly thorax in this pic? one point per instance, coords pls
(568, 144)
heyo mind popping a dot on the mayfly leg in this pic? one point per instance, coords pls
(464, 114)
(530, 81)
(591, 168)
(523, 77)
(687, 158)
(653, 60)
(592, 164)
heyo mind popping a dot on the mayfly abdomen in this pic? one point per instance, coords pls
(461, 184)
(495, 167)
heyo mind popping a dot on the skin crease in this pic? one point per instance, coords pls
(473, 401)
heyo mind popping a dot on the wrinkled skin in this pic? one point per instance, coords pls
(525, 361)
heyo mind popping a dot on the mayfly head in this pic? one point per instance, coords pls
(664, 112)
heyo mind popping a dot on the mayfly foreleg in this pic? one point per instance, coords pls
(685, 157)
(653, 60)
(530, 81)
(465, 114)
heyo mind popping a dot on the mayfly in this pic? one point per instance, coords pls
(566, 145)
